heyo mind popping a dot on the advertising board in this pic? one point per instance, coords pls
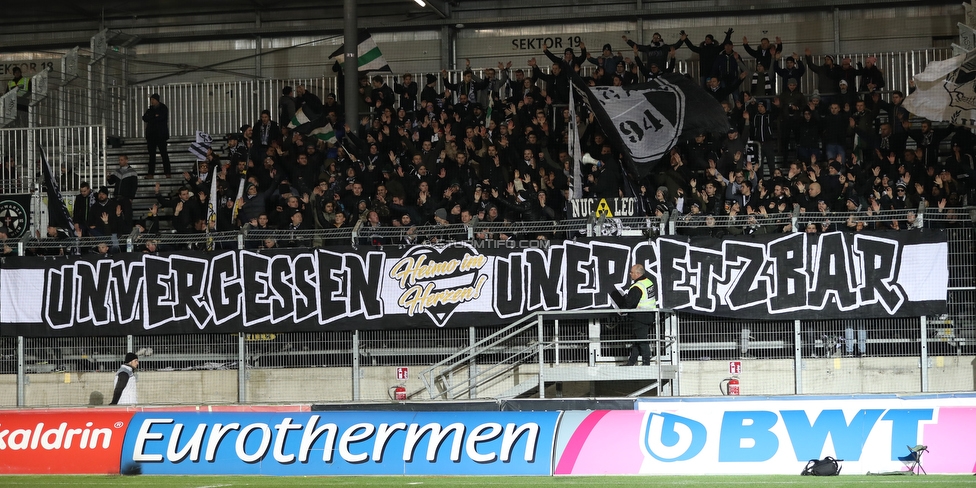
(341, 443)
(64, 442)
(769, 436)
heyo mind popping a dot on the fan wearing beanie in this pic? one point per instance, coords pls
(125, 381)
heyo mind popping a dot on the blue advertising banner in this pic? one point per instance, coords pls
(341, 443)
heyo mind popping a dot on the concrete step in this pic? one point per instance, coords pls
(180, 160)
(520, 389)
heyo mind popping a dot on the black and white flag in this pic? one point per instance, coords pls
(202, 144)
(946, 91)
(644, 121)
(59, 215)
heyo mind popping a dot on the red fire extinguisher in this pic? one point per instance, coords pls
(398, 393)
(729, 386)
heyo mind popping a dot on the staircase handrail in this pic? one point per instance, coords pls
(527, 322)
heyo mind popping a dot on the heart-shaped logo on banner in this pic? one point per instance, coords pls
(437, 279)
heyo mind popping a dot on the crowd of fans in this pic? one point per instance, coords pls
(495, 149)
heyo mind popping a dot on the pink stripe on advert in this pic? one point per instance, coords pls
(950, 452)
(607, 442)
(575, 444)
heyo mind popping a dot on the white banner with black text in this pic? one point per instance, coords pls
(770, 277)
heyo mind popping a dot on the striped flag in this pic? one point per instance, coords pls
(300, 119)
(325, 133)
(370, 57)
(313, 124)
(200, 147)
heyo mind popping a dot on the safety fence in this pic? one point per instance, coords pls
(846, 356)
(96, 91)
(76, 154)
(573, 357)
(222, 107)
(510, 234)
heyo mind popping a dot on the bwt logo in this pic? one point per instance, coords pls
(668, 438)
(757, 436)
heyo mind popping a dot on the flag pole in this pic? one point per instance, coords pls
(350, 90)
(575, 149)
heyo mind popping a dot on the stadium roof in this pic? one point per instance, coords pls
(65, 23)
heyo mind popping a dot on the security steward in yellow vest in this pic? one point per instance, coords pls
(642, 295)
(20, 83)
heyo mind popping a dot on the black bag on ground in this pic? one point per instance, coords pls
(827, 466)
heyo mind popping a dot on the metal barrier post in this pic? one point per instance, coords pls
(924, 358)
(542, 384)
(797, 359)
(129, 344)
(20, 372)
(472, 366)
(130, 239)
(555, 341)
(676, 356)
(241, 369)
(657, 348)
(355, 365)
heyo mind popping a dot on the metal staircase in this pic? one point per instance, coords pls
(522, 358)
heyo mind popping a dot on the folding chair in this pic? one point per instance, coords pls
(914, 458)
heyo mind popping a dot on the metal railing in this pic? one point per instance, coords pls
(536, 340)
(928, 354)
(521, 233)
(102, 95)
(222, 107)
(76, 154)
(573, 354)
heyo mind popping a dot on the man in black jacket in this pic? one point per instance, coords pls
(81, 208)
(707, 52)
(557, 83)
(186, 210)
(311, 102)
(657, 50)
(125, 181)
(266, 130)
(157, 133)
(125, 382)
